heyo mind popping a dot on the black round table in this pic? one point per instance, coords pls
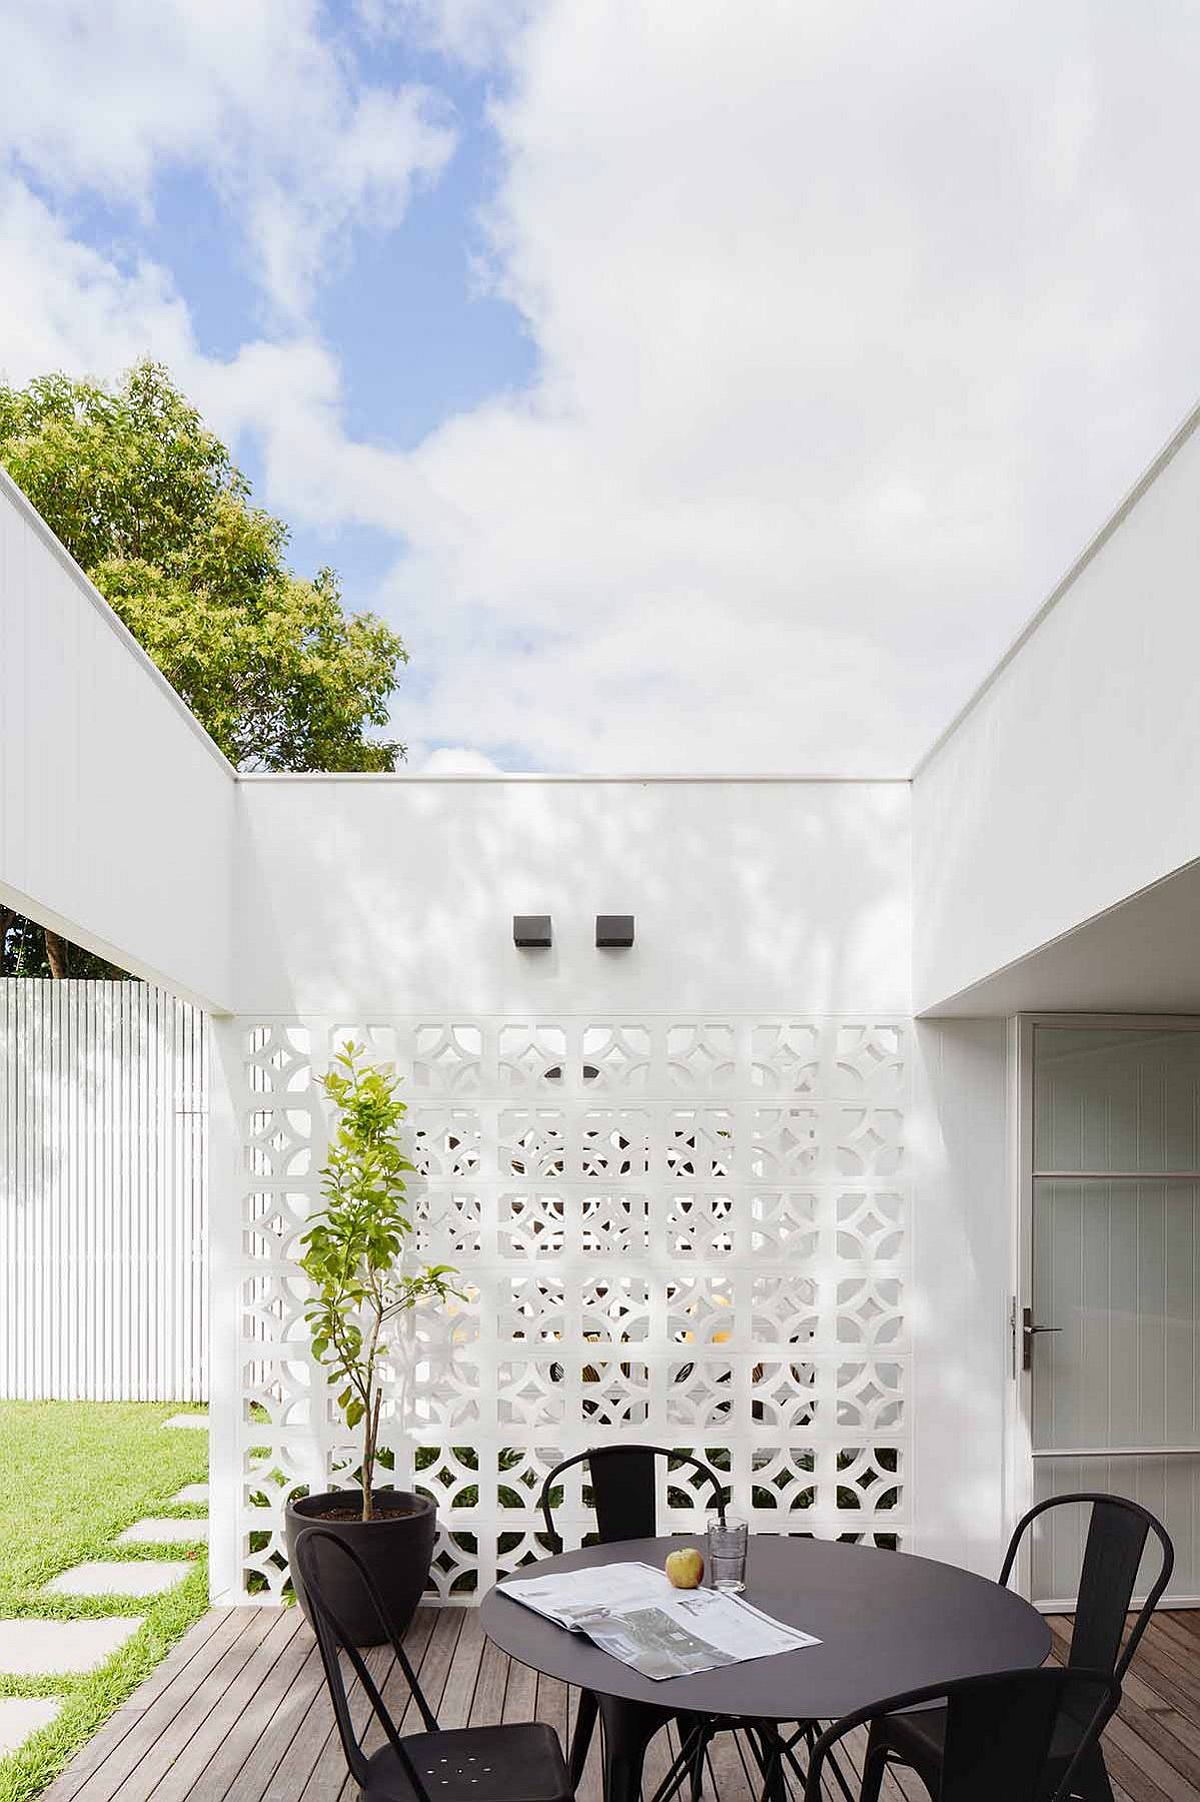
(887, 1622)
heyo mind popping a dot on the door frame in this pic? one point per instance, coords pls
(1018, 1463)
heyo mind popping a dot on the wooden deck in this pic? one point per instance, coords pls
(238, 1713)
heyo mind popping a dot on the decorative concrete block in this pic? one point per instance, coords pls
(697, 1223)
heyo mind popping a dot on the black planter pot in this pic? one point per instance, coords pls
(396, 1547)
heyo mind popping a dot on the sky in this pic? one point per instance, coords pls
(697, 386)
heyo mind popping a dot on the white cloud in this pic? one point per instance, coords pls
(64, 306)
(456, 760)
(853, 323)
(107, 96)
(852, 326)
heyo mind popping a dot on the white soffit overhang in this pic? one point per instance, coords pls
(1141, 956)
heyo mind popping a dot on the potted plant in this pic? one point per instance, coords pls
(353, 1254)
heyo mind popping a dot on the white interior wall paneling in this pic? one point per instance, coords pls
(116, 811)
(1079, 761)
(1119, 1100)
(692, 1230)
(103, 1282)
(1166, 1486)
(1116, 1266)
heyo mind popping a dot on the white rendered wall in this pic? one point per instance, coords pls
(396, 894)
(962, 1262)
(675, 1179)
(116, 810)
(1074, 780)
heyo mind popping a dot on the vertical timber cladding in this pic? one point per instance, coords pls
(103, 1193)
(688, 1231)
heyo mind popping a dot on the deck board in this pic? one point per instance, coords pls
(238, 1713)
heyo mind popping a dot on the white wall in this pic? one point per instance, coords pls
(763, 1012)
(385, 894)
(321, 901)
(116, 810)
(1074, 780)
(962, 1262)
(103, 1199)
(304, 904)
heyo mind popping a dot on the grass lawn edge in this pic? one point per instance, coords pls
(73, 1475)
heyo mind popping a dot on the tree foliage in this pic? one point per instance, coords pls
(149, 502)
(354, 1249)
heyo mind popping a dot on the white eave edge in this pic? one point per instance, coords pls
(1115, 519)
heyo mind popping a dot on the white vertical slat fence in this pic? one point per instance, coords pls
(103, 1193)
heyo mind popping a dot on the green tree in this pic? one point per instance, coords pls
(354, 1251)
(149, 502)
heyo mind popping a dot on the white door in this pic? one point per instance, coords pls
(1114, 1355)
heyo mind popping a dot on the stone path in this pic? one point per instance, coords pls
(134, 1577)
(32, 1648)
(165, 1532)
(22, 1715)
(56, 1648)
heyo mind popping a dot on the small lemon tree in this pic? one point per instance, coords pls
(354, 1248)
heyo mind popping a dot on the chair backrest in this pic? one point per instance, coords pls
(1116, 1540)
(998, 1731)
(624, 1492)
(333, 1639)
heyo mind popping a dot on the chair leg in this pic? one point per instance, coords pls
(770, 1760)
(696, 1761)
(874, 1766)
(1091, 1780)
(581, 1739)
(628, 1729)
(687, 1766)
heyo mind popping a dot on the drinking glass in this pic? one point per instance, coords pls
(727, 1553)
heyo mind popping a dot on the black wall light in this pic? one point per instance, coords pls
(614, 932)
(532, 931)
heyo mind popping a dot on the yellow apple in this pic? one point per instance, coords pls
(685, 1567)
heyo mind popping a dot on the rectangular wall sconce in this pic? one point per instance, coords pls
(614, 932)
(531, 931)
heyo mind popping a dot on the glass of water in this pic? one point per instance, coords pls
(727, 1542)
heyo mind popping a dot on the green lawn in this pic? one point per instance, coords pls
(72, 1476)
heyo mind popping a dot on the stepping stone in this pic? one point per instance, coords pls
(164, 1532)
(31, 1648)
(141, 1577)
(193, 1492)
(198, 1421)
(22, 1715)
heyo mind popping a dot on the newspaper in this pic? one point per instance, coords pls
(635, 1613)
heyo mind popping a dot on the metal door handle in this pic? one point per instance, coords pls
(1028, 1329)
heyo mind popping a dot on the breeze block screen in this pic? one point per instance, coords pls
(693, 1232)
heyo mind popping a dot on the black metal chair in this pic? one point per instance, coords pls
(624, 1499)
(518, 1763)
(998, 1734)
(1116, 1541)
